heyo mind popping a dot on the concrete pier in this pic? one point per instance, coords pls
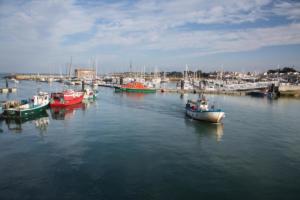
(197, 91)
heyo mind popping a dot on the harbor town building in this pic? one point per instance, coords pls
(83, 73)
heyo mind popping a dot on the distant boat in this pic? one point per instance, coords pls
(69, 82)
(165, 79)
(272, 92)
(185, 85)
(66, 98)
(156, 79)
(90, 94)
(26, 108)
(200, 110)
(14, 80)
(257, 93)
(135, 87)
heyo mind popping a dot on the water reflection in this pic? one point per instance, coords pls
(134, 96)
(65, 113)
(69, 112)
(40, 121)
(86, 104)
(207, 129)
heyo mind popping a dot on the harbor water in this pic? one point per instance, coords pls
(142, 146)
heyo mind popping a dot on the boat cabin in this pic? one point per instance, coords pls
(201, 105)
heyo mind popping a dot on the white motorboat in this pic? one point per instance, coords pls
(200, 110)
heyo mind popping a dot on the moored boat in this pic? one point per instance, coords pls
(200, 110)
(66, 98)
(135, 87)
(90, 94)
(257, 93)
(26, 108)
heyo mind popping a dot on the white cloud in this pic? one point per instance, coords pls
(208, 42)
(291, 10)
(36, 30)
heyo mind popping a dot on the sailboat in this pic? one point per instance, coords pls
(185, 83)
(156, 79)
(165, 79)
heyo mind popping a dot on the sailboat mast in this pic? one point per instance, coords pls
(70, 68)
(96, 68)
(130, 69)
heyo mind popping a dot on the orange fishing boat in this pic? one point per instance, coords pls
(135, 87)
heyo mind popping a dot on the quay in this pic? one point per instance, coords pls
(223, 84)
(200, 91)
(290, 91)
(285, 91)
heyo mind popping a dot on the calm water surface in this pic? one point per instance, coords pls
(131, 146)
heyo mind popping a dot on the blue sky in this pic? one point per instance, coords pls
(244, 35)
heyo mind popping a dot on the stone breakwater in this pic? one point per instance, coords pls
(32, 76)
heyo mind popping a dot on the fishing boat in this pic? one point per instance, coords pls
(200, 110)
(27, 107)
(66, 98)
(90, 94)
(135, 87)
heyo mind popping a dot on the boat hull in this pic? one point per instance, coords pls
(16, 113)
(90, 97)
(210, 116)
(256, 93)
(135, 90)
(57, 103)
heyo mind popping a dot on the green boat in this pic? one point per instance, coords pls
(26, 108)
(119, 89)
(135, 87)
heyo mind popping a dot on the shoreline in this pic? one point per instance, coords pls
(286, 91)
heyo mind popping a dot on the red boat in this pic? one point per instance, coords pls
(65, 98)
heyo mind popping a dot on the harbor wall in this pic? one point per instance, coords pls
(289, 91)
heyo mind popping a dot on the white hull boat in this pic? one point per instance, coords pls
(211, 116)
(199, 110)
